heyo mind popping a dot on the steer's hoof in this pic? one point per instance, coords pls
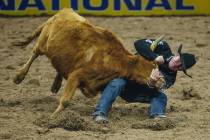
(18, 78)
(54, 90)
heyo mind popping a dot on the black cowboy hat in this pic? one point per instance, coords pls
(187, 60)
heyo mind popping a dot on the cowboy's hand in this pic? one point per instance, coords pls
(159, 60)
(154, 77)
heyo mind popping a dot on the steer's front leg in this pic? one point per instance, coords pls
(56, 84)
(69, 91)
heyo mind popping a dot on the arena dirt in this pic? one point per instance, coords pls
(25, 108)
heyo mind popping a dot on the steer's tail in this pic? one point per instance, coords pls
(35, 34)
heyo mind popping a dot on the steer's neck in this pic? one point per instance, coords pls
(139, 69)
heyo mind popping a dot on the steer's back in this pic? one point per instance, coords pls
(70, 41)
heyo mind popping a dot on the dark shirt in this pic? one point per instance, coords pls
(143, 48)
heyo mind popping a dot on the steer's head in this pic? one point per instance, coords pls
(143, 68)
(161, 81)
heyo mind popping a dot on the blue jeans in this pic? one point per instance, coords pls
(131, 92)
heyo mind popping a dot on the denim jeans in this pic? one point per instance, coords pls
(131, 92)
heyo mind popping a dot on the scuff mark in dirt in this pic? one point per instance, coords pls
(71, 121)
(159, 124)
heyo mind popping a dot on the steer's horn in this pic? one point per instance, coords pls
(154, 43)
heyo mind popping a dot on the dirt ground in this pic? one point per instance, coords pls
(25, 108)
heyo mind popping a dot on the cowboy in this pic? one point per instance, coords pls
(168, 65)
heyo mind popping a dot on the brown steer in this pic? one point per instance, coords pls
(87, 56)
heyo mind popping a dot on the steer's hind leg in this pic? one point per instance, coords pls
(56, 84)
(69, 91)
(36, 52)
(21, 73)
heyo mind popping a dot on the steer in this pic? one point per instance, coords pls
(87, 56)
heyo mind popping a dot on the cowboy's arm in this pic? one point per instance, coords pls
(145, 51)
(161, 53)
